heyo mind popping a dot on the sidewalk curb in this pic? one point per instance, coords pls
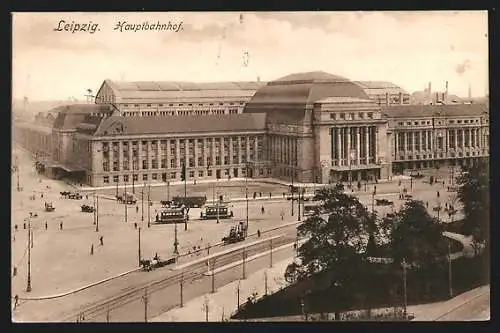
(40, 298)
(74, 291)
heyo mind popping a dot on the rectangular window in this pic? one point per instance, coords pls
(191, 174)
(191, 162)
(154, 176)
(115, 166)
(105, 179)
(145, 176)
(135, 178)
(173, 175)
(115, 179)
(200, 161)
(172, 163)
(154, 164)
(125, 178)
(105, 166)
(217, 160)
(200, 173)
(209, 173)
(226, 160)
(144, 164)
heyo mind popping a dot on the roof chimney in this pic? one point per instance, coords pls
(437, 97)
(444, 98)
(386, 98)
(400, 97)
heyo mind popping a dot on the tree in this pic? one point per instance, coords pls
(337, 240)
(474, 194)
(416, 238)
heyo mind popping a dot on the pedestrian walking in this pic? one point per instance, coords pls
(269, 195)
(24, 225)
(260, 194)
(258, 233)
(427, 204)
(46, 225)
(16, 301)
(15, 227)
(135, 225)
(86, 197)
(137, 209)
(101, 240)
(262, 210)
(92, 249)
(61, 226)
(41, 195)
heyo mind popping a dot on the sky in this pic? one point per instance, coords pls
(409, 49)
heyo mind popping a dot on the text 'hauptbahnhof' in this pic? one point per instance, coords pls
(310, 127)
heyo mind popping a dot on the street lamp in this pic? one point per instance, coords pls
(28, 287)
(246, 191)
(352, 154)
(125, 201)
(149, 206)
(373, 198)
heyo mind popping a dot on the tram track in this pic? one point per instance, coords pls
(188, 275)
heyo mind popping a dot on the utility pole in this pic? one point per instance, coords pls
(449, 270)
(142, 203)
(145, 299)
(213, 275)
(404, 289)
(238, 295)
(97, 215)
(176, 243)
(125, 197)
(139, 247)
(116, 189)
(265, 282)
(271, 253)
(244, 257)
(28, 287)
(95, 208)
(149, 206)
(217, 207)
(185, 196)
(182, 285)
(246, 190)
(168, 190)
(291, 190)
(133, 184)
(298, 217)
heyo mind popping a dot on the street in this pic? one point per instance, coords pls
(61, 259)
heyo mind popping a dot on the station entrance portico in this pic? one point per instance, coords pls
(354, 175)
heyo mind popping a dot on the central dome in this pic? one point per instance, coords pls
(309, 77)
(287, 98)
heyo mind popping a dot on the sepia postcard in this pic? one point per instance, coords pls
(250, 166)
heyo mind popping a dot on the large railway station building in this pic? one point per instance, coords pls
(309, 127)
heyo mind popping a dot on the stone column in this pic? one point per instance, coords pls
(120, 156)
(177, 153)
(231, 150)
(358, 141)
(169, 157)
(456, 139)
(338, 143)
(470, 137)
(196, 155)
(463, 139)
(405, 142)
(375, 135)
(214, 151)
(130, 157)
(239, 149)
(348, 134)
(367, 144)
(396, 137)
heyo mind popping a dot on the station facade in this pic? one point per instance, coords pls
(305, 127)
